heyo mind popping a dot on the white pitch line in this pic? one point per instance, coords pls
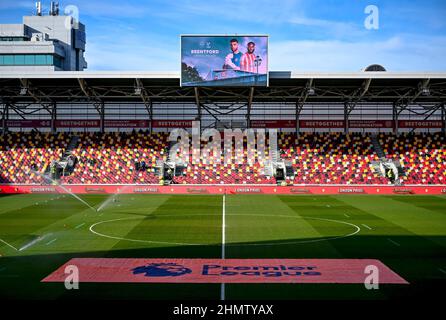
(394, 242)
(223, 240)
(366, 226)
(441, 270)
(9, 245)
(358, 229)
(134, 240)
(346, 215)
(50, 242)
(223, 226)
(77, 227)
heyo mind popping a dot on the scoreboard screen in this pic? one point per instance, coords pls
(224, 60)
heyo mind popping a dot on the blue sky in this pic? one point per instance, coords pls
(305, 35)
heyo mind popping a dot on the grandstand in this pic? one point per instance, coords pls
(224, 180)
(316, 158)
(113, 128)
(87, 178)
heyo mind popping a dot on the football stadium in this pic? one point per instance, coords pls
(234, 183)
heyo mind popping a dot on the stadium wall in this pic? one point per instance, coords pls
(228, 189)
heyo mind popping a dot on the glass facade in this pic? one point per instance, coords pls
(30, 60)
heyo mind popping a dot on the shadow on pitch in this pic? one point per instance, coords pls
(417, 259)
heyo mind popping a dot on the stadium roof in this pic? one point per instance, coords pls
(284, 86)
(176, 75)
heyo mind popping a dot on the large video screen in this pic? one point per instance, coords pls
(224, 60)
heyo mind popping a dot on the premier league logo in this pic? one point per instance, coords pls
(162, 270)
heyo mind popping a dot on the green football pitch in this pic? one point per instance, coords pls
(41, 232)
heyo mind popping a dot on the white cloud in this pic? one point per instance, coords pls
(399, 53)
(120, 45)
(264, 11)
(331, 27)
(132, 55)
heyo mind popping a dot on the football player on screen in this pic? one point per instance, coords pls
(232, 60)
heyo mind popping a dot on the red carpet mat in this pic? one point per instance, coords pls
(227, 271)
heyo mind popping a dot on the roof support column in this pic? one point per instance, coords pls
(443, 118)
(53, 117)
(299, 108)
(150, 116)
(301, 101)
(395, 118)
(146, 99)
(102, 117)
(5, 117)
(197, 102)
(248, 114)
(346, 112)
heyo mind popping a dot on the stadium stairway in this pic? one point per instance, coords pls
(377, 146)
(383, 157)
(74, 141)
(72, 144)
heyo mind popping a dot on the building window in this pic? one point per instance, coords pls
(8, 59)
(19, 59)
(30, 60)
(41, 59)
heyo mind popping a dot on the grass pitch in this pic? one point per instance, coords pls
(39, 233)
